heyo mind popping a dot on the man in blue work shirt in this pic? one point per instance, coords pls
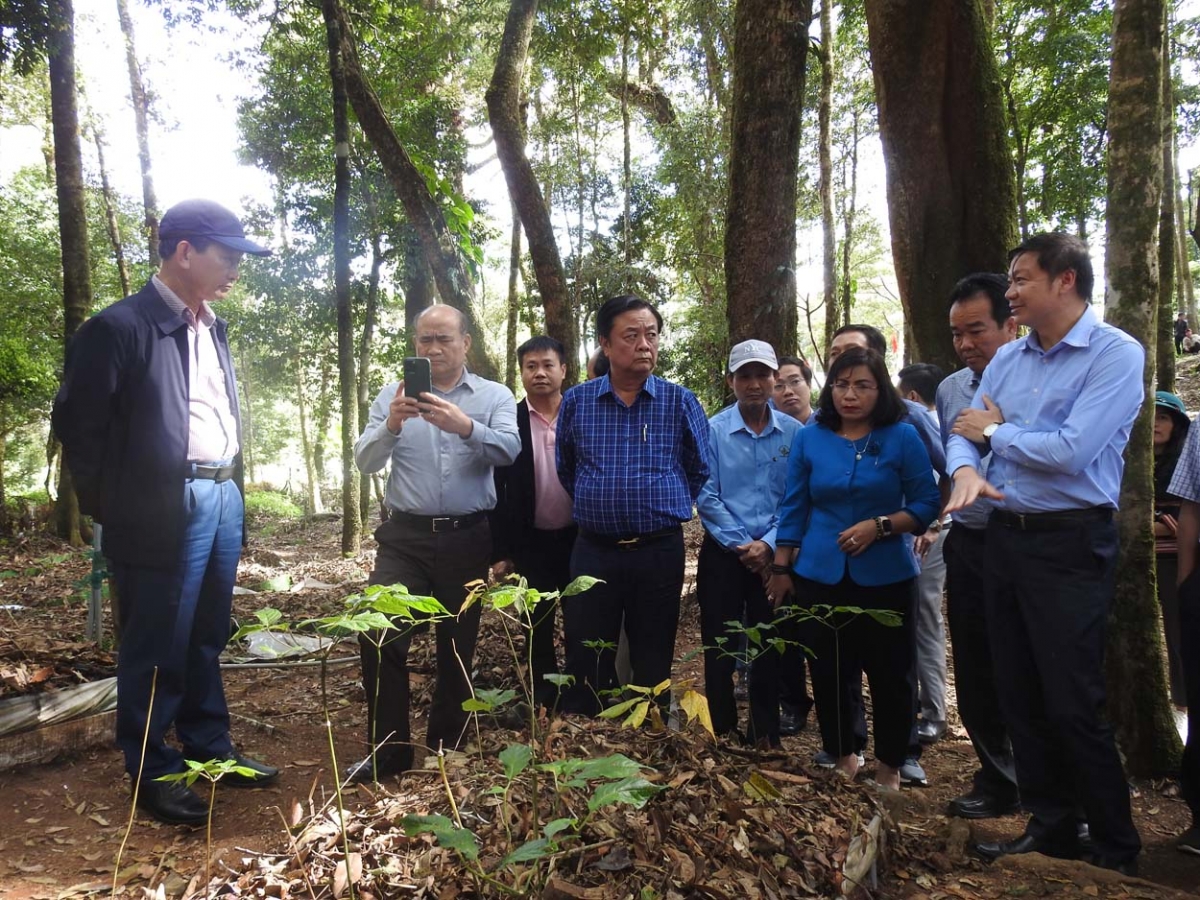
(633, 454)
(1055, 410)
(749, 444)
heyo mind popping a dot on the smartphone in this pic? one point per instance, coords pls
(418, 379)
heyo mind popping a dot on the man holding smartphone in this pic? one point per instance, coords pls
(443, 447)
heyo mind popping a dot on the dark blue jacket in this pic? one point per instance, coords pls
(122, 417)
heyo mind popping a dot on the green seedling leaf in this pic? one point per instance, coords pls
(558, 826)
(276, 584)
(265, 619)
(496, 697)
(618, 765)
(449, 835)
(619, 709)
(474, 704)
(515, 758)
(888, 617)
(580, 584)
(527, 852)
(600, 645)
(559, 680)
(638, 715)
(635, 792)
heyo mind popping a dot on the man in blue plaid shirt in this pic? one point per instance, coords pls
(632, 452)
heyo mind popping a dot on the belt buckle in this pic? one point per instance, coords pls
(629, 542)
(439, 521)
(1021, 522)
(223, 474)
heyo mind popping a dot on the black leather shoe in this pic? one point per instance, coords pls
(171, 802)
(387, 762)
(1083, 834)
(790, 723)
(930, 732)
(978, 805)
(1125, 867)
(1026, 843)
(263, 774)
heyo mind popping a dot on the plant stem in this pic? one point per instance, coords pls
(137, 783)
(337, 780)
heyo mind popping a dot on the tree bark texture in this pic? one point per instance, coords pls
(438, 244)
(351, 523)
(1183, 271)
(1137, 691)
(950, 185)
(504, 113)
(141, 114)
(72, 212)
(825, 161)
(111, 223)
(770, 48)
(514, 303)
(1165, 326)
(370, 318)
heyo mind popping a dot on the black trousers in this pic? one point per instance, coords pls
(847, 647)
(437, 565)
(642, 583)
(1189, 621)
(545, 562)
(729, 592)
(974, 671)
(1048, 596)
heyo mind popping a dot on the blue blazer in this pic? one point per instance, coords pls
(122, 417)
(828, 490)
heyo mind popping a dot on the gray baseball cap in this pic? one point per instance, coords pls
(753, 352)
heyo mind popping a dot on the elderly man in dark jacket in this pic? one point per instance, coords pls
(149, 421)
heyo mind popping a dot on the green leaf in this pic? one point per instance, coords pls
(557, 826)
(515, 758)
(496, 697)
(449, 835)
(580, 584)
(559, 680)
(474, 704)
(527, 852)
(635, 792)
(276, 584)
(619, 709)
(618, 765)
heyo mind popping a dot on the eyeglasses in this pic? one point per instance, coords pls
(791, 384)
(860, 387)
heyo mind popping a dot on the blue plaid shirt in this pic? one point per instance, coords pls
(632, 469)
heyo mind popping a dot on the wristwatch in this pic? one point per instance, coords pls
(990, 430)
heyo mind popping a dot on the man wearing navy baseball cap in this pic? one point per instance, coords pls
(149, 421)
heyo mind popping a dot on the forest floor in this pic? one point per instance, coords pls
(730, 823)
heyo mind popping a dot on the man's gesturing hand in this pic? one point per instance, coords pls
(969, 486)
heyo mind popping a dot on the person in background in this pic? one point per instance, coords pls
(532, 529)
(1181, 330)
(1055, 409)
(633, 455)
(1171, 426)
(1190, 342)
(149, 421)
(442, 447)
(858, 480)
(980, 324)
(919, 383)
(1185, 484)
(749, 443)
(793, 388)
(597, 365)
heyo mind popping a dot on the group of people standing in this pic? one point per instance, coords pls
(1009, 469)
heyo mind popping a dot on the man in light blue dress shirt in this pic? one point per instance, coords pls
(1055, 410)
(749, 444)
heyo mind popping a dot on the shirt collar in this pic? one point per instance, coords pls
(1080, 334)
(740, 421)
(650, 386)
(207, 317)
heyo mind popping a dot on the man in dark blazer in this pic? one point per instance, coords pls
(149, 422)
(532, 528)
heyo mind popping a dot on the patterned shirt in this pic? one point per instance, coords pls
(1185, 483)
(632, 469)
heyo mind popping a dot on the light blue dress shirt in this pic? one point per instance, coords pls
(829, 489)
(1067, 416)
(747, 473)
(435, 473)
(955, 394)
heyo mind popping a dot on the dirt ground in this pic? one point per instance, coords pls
(62, 824)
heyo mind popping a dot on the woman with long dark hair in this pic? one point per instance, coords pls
(856, 483)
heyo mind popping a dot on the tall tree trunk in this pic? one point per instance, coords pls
(141, 115)
(111, 223)
(825, 157)
(1137, 690)
(851, 208)
(438, 243)
(312, 492)
(1183, 271)
(950, 190)
(1165, 350)
(626, 164)
(419, 289)
(370, 317)
(72, 215)
(348, 408)
(514, 302)
(244, 381)
(770, 48)
(504, 112)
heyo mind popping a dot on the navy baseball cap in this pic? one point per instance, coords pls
(205, 219)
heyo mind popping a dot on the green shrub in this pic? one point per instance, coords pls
(272, 503)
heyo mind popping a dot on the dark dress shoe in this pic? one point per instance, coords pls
(263, 774)
(171, 802)
(1026, 843)
(1083, 833)
(1124, 867)
(387, 762)
(930, 732)
(978, 805)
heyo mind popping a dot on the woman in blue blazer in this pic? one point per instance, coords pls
(856, 483)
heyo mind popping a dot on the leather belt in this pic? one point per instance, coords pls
(632, 541)
(437, 524)
(217, 473)
(1051, 521)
